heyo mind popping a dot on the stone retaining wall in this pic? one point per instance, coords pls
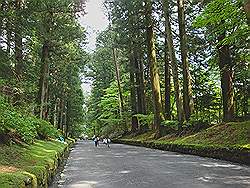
(239, 155)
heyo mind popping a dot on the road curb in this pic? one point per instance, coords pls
(233, 154)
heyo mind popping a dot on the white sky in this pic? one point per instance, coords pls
(94, 22)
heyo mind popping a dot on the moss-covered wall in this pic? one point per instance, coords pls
(31, 166)
(234, 154)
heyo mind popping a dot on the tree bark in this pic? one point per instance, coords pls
(247, 10)
(167, 82)
(140, 88)
(65, 129)
(18, 40)
(55, 121)
(142, 85)
(2, 9)
(187, 86)
(137, 86)
(134, 121)
(118, 79)
(246, 91)
(158, 117)
(43, 83)
(60, 115)
(173, 61)
(225, 65)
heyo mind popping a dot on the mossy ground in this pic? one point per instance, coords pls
(28, 163)
(234, 134)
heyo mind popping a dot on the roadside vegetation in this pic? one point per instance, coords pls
(29, 148)
(30, 165)
(233, 134)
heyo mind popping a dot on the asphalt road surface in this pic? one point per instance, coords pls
(123, 166)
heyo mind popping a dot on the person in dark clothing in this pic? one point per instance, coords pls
(96, 141)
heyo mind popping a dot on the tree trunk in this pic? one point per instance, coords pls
(55, 121)
(173, 61)
(118, 79)
(247, 10)
(167, 82)
(225, 64)
(2, 9)
(134, 120)
(187, 86)
(43, 83)
(65, 121)
(60, 118)
(245, 99)
(153, 70)
(142, 86)
(18, 40)
(137, 86)
(8, 34)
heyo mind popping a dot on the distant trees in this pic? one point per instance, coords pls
(41, 58)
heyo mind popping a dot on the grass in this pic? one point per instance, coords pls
(29, 163)
(234, 134)
(230, 134)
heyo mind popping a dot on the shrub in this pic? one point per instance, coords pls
(45, 130)
(197, 123)
(172, 124)
(25, 126)
(145, 120)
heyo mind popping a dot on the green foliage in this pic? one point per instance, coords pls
(145, 119)
(26, 126)
(103, 108)
(225, 16)
(230, 135)
(33, 162)
(196, 123)
(109, 115)
(39, 23)
(11, 180)
(45, 130)
(171, 124)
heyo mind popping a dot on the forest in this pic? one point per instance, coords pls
(171, 75)
(169, 66)
(41, 58)
(163, 65)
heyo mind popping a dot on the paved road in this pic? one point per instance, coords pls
(123, 166)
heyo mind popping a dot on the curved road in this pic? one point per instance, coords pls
(123, 166)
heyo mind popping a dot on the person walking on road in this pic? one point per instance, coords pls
(105, 141)
(95, 141)
(108, 142)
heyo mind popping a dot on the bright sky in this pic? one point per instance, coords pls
(94, 22)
